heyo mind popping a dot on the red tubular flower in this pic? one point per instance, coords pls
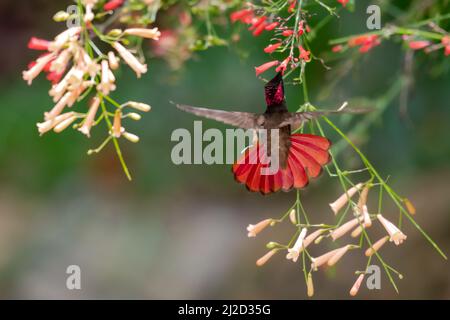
(271, 26)
(292, 6)
(287, 33)
(282, 67)
(445, 40)
(271, 48)
(259, 29)
(54, 77)
(417, 45)
(337, 48)
(113, 5)
(343, 2)
(257, 23)
(241, 15)
(447, 50)
(266, 66)
(366, 42)
(304, 54)
(360, 40)
(47, 66)
(38, 44)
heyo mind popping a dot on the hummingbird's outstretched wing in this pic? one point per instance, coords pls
(244, 120)
(296, 119)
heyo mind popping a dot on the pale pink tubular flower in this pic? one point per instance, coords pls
(309, 239)
(338, 255)
(107, 84)
(113, 60)
(310, 286)
(354, 290)
(263, 260)
(117, 125)
(58, 90)
(130, 59)
(90, 117)
(60, 63)
(320, 260)
(144, 33)
(394, 233)
(294, 252)
(367, 220)
(254, 229)
(363, 197)
(346, 227)
(35, 70)
(367, 223)
(139, 106)
(343, 199)
(76, 92)
(293, 216)
(50, 124)
(355, 233)
(63, 38)
(376, 246)
(59, 107)
(130, 137)
(64, 124)
(89, 15)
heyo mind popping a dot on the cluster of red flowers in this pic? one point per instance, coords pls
(285, 37)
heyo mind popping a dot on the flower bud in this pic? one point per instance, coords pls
(61, 16)
(130, 137)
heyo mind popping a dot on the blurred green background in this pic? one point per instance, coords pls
(179, 231)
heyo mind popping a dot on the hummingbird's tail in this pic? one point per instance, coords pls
(307, 154)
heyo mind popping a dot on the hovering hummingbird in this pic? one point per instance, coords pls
(301, 156)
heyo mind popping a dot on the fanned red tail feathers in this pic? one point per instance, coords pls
(307, 154)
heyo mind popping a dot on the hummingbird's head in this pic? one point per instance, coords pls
(274, 91)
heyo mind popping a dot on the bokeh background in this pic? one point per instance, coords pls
(178, 232)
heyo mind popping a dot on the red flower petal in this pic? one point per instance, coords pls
(38, 44)
(271, 48)
(266, 66)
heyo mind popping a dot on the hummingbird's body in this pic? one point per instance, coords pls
(301, 156)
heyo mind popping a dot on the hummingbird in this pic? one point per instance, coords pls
(301, 156)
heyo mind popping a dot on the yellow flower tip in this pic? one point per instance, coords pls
(354, 290)
(376, 246)
(363, 196)
(130, 137)
(409, 206)
(293, 216)
(254, 229)
(139, 106)
(310, 286)
(263, 260)
(355, 233)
